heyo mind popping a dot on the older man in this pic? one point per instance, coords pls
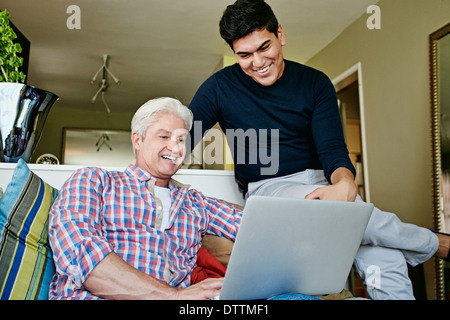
(135, 234)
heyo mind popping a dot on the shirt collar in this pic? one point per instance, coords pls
(138, 173)
(145, 176)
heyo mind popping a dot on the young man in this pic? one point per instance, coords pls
(135, 234)
(263, 92)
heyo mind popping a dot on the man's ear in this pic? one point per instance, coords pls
(281, 35)
(136, 140)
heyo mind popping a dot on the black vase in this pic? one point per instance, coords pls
(23, 111)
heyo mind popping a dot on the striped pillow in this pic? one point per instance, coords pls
(26, 259)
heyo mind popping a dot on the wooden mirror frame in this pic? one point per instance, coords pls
(436, 150)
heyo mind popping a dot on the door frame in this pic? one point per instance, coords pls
(340, 82)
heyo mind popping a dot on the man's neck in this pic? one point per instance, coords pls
(163, 183)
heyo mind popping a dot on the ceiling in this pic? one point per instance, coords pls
(155, 47)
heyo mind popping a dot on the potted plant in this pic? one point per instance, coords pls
(10, 62)
(23, 108)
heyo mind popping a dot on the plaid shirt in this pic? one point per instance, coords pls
(99, 211)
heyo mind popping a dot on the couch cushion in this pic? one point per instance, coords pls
(26, 259)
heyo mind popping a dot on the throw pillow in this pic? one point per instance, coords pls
(26, 259)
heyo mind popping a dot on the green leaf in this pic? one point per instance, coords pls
(15, 61)
(10, 62)
(22, 77)
(17, 48)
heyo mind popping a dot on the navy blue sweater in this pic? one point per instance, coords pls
(296, 121)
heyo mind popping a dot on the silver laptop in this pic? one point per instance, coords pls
(287, 245)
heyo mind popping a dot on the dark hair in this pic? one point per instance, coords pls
(245, 16)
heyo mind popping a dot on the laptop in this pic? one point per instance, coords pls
(287, 245)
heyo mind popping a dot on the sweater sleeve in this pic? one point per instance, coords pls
(327, 128)
(205, 108)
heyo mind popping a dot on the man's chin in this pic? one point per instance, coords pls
(172, 169)
(264, 81)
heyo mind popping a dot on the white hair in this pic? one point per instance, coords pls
(146, 115)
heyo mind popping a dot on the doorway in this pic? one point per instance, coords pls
(349, 92)
(348, 87)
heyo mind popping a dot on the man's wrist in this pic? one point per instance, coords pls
(343, 178)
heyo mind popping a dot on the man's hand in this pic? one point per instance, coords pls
(113, 278)
(343, 187)
(203, 290)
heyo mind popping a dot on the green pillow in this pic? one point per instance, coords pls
(26, 259)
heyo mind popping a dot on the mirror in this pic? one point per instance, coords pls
(87, 146)
(440, 112)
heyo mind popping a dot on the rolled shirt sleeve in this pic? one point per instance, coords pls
(75, 228)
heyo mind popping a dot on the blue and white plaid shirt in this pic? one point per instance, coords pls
(99, 211)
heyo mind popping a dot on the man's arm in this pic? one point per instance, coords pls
(204, 107)
(329, 140)
(342, 188)
(113, 278)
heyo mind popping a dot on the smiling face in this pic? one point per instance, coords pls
(162, 151)
(260, 56)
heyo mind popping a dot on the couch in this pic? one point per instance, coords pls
(26, 260)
